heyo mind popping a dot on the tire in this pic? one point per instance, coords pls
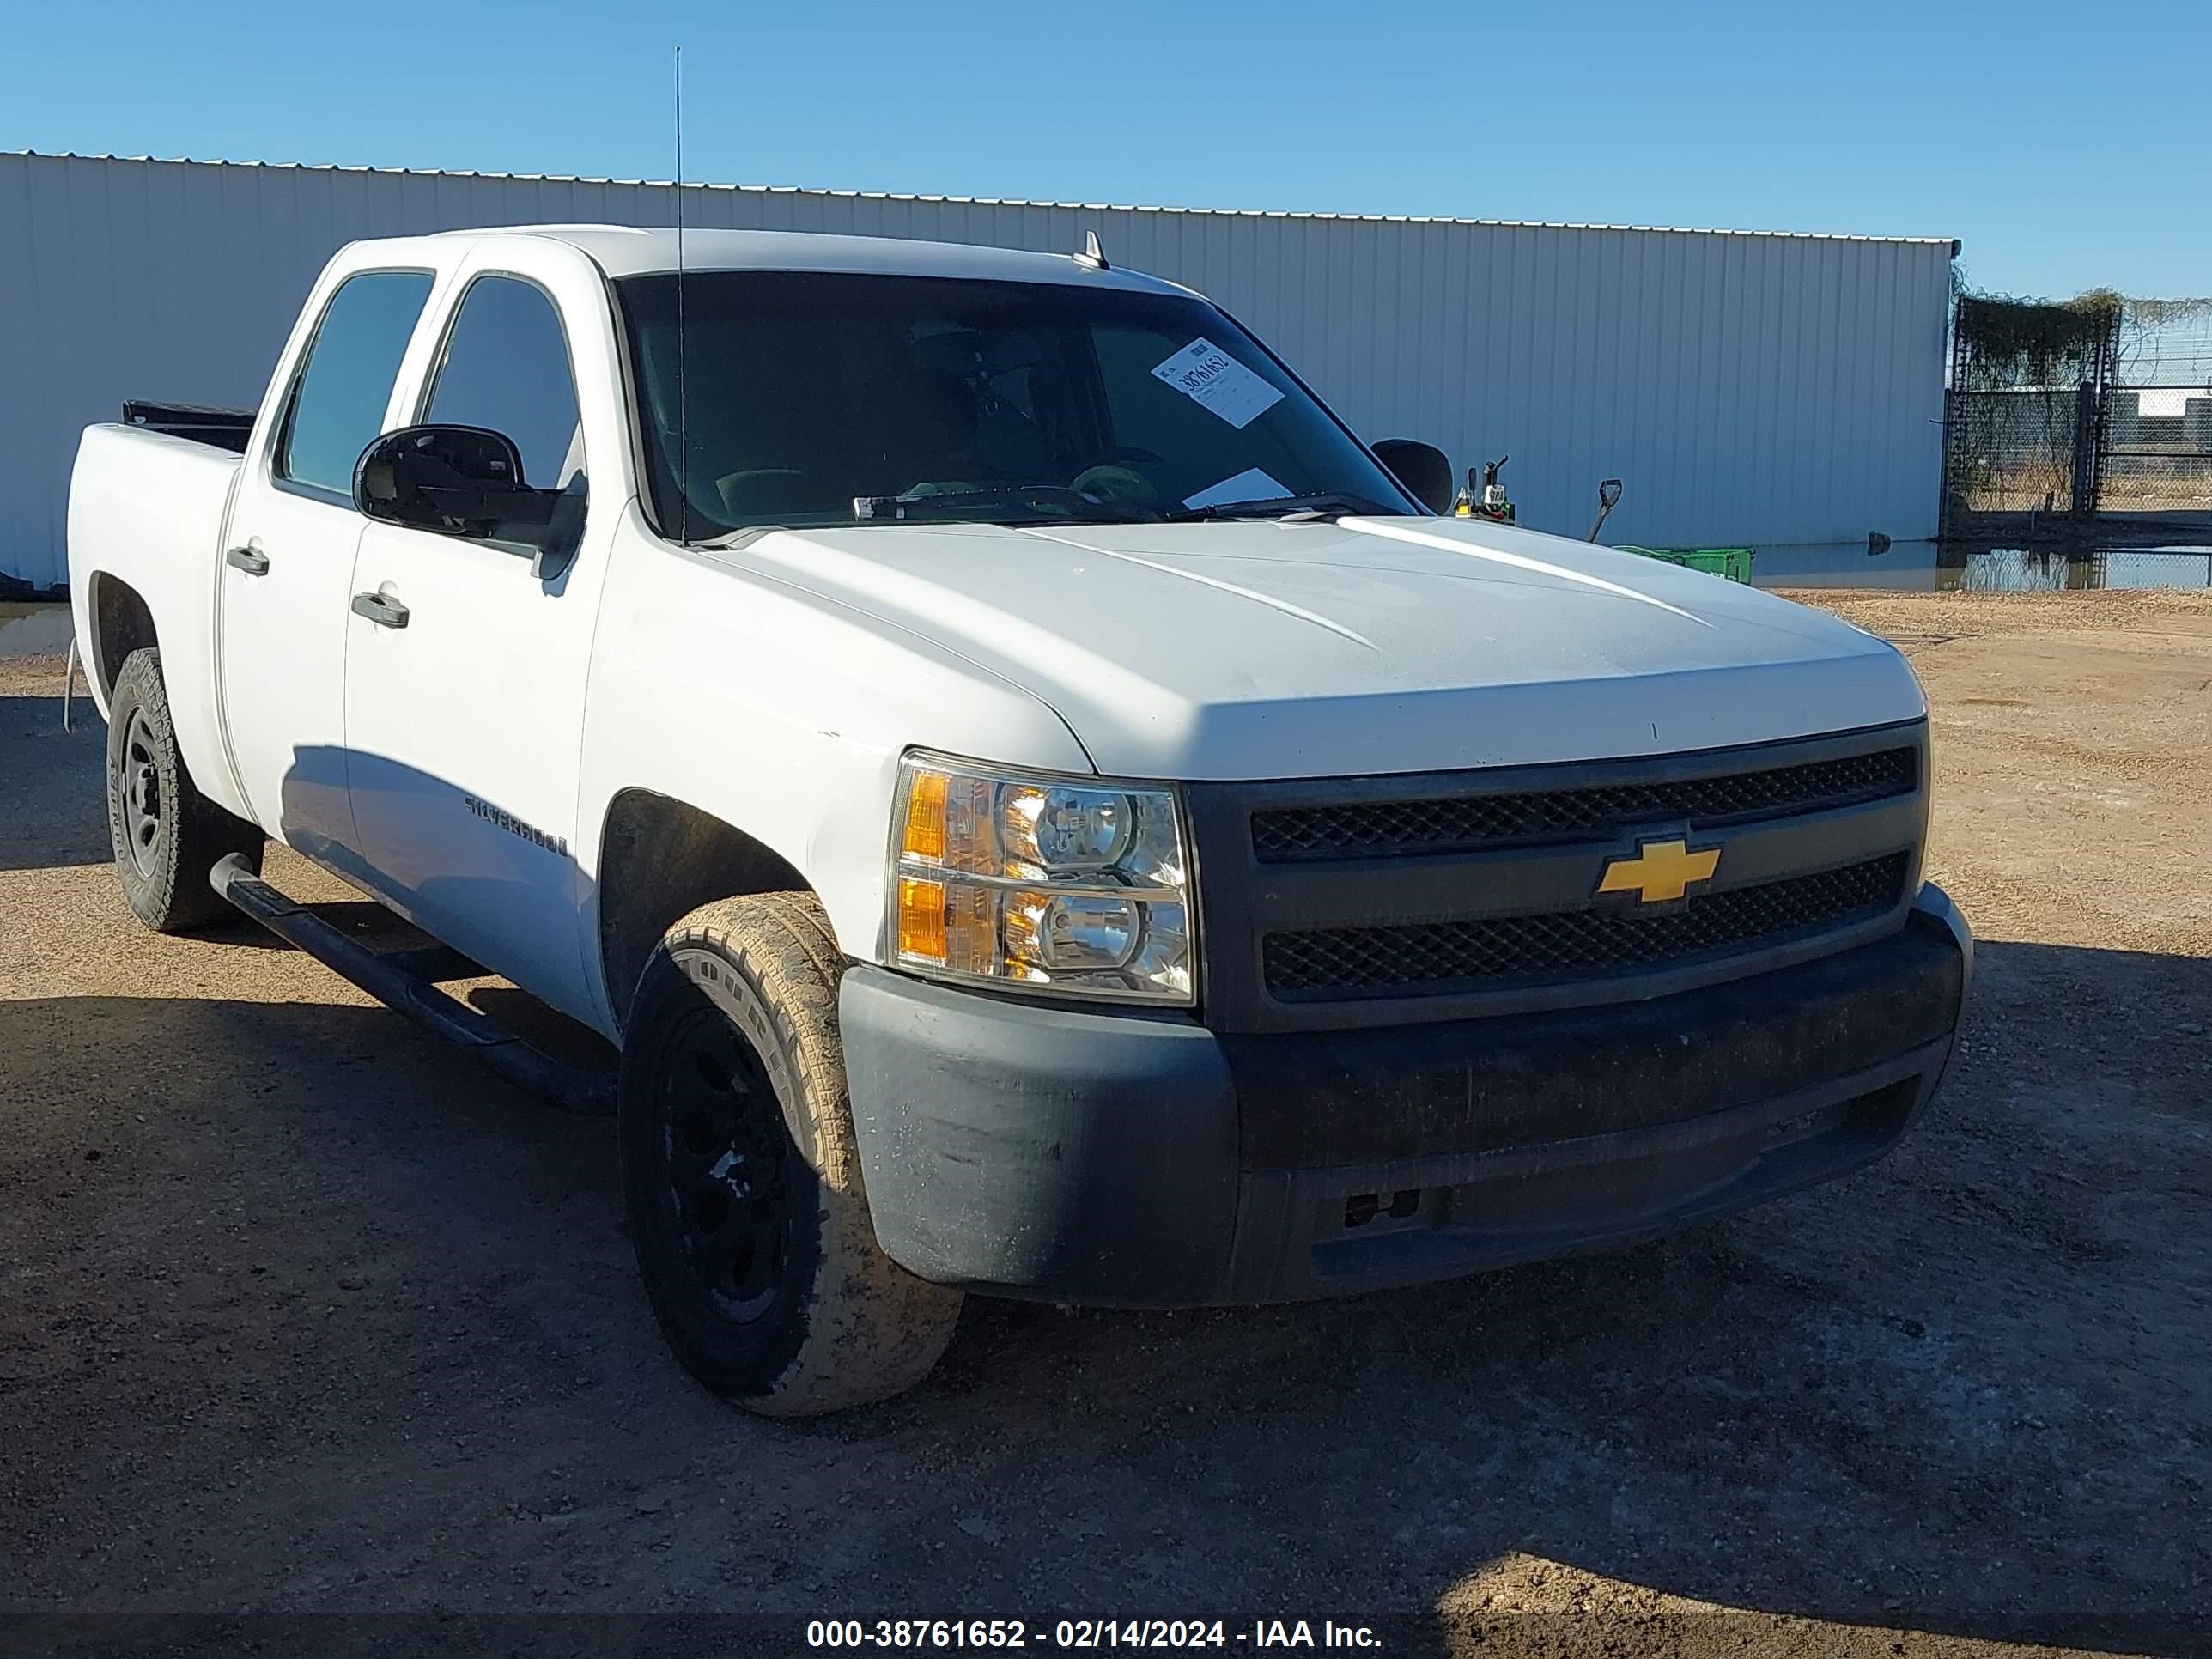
(167, 835)
(742, 1178)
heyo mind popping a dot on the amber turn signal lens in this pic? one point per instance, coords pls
(921, 920)
(925, 816)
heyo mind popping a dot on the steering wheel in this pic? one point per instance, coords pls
(1108, 483)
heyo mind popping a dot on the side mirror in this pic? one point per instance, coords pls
(1424, 469)
(459, 481)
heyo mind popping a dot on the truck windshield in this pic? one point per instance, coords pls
(819, 397)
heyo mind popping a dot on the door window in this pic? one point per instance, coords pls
(339, 399)
(506, 368)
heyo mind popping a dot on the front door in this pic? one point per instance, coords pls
(286, 573)
(465, 721)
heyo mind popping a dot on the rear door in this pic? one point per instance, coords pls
(465, 723)
(288, 564)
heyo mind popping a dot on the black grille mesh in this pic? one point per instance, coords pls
(1456, 823)
(1439, 958)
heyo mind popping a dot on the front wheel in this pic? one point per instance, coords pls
(743, 1177)
(167, 835)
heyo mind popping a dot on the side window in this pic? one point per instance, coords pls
(339, 401)
(506, 368)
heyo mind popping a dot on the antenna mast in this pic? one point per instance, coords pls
(682, 404)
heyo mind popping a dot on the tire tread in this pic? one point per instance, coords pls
(176, 898)
(872, 1328)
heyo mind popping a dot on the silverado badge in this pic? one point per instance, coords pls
(1661, 871)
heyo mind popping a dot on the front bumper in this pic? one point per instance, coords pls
(1137, 1159)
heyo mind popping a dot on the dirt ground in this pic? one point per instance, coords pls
(302, 1317)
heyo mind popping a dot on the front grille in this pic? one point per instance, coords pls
(1459, 823)
(1441, 958)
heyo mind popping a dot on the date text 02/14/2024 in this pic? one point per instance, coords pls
(1087, 1633)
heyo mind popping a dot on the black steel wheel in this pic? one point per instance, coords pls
(727, 1169)
(743, 1178)
(141, 782)
(167, 835)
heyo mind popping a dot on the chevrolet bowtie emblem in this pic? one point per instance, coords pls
(1661, 871)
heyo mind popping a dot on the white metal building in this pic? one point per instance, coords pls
(1750, 389)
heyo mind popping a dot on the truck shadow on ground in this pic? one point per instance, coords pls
(303, 1307)
(53, 801)
(53, 811)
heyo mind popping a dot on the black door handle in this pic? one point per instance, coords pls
(251, 560)
(381, 609)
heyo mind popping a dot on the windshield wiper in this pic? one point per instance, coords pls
(869, 509)
(1326, 503)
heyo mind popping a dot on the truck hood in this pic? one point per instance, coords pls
(1259, 649)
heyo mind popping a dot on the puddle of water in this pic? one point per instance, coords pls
(33, 631)
(1929, 567)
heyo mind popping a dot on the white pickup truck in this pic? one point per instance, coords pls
(1042, 807)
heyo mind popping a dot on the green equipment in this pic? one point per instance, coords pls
(1733, 562)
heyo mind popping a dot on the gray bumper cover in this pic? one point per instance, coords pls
(1140, 1159)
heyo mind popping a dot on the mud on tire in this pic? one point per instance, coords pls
(167, 835)
(742, 1178)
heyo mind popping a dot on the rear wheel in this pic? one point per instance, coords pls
(742, 1178)
(167, 835)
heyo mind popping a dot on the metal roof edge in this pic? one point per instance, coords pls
(992, 201)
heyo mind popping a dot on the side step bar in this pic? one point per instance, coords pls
(395, 984)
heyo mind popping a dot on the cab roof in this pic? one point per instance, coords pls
(629, 250)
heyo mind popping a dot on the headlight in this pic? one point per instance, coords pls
(1071, 886)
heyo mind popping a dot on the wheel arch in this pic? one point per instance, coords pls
(660, 859)
(122, 622)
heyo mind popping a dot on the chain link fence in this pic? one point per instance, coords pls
(2156, 458)
(2097, 409)
(2013, 451)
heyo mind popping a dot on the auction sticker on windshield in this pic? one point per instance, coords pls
(1202, 371)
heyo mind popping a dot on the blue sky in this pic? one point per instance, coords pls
(2037, 134)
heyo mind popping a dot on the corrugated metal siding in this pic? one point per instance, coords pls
(1750, 389)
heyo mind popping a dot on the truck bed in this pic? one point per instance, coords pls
(146, 511)
(203, 424)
